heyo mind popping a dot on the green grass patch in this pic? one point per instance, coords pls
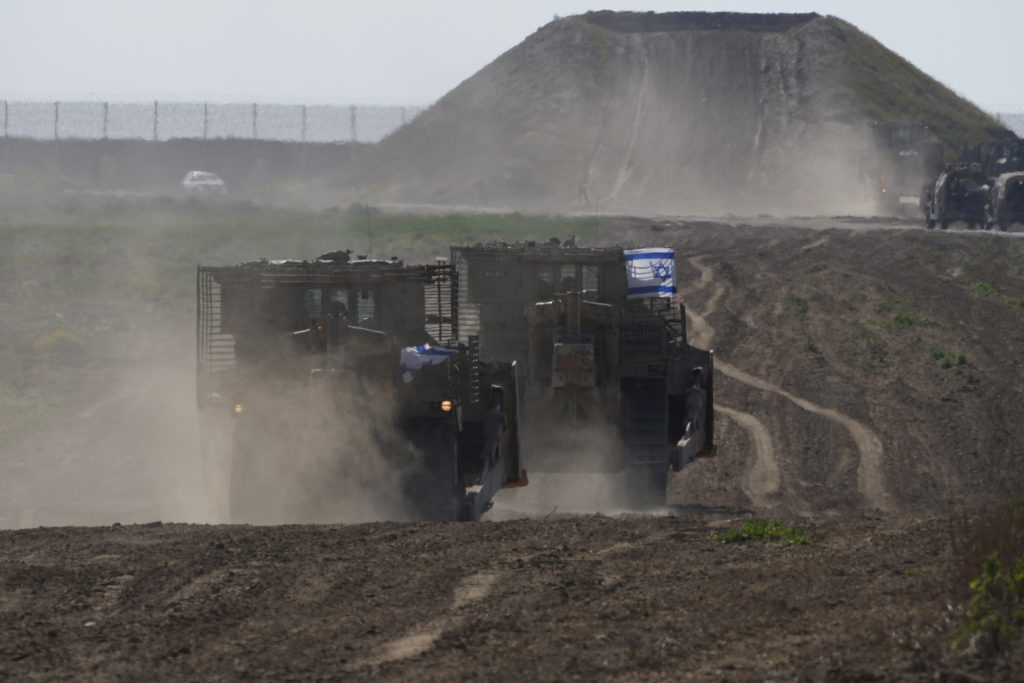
(813, 270)
(993, 542)
(892, 303)
(948, 361)
(771, 530)
(800, 307)
(984, 288)
(865, 336)
(903, 321)
(996, 609)
(1014, 257)
(903, 318)
(811, 347)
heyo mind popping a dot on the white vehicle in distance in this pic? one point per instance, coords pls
(202, 184)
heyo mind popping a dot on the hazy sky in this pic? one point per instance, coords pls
(411, 51)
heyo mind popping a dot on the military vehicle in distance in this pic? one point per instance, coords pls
(960, 193)
(1006, 204)
(611, 383)
(346, 360)
(903, 158)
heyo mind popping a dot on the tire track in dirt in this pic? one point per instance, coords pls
(473, 588)
(870, 478)
(762, 480)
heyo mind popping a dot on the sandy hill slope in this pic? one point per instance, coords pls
(680, 113)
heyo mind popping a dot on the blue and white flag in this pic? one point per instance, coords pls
(650, 272)
(415, 357)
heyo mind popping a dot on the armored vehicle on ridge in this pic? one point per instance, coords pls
(960, 193)
(903, 158)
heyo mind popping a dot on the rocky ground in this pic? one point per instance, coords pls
(867, 391)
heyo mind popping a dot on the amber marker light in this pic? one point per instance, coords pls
(446, 406)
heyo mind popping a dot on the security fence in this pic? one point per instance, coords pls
(201, 120)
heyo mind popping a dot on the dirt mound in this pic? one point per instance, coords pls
(675, 113)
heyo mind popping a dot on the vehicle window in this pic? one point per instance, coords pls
(367, 306)
(543, 286)
(337, 303)
(314, 303)
(567, 280)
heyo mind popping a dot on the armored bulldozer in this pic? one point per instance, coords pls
(319, 379)
(611, 383)
(960, 193)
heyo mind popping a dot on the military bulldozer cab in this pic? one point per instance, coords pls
(323, 381)
(611, 383)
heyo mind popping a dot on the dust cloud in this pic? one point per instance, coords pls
(571, 471)
(125, 453)
(314, 454)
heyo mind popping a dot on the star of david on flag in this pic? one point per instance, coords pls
(650, 272)
(415, 357)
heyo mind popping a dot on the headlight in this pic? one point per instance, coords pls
(238, 409)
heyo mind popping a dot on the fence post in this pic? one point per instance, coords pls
(253, 120)
(352, 114)
(6, 118)
(206, 120)
(303, 123)
(56, 118)
(106, 111)
(156, 119)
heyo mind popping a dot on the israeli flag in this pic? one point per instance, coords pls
(415, 357)
(650, 272)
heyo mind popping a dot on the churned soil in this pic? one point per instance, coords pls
(588, 597)
(867, 389)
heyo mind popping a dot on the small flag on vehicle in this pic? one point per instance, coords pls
(415, 357)
(650, 272)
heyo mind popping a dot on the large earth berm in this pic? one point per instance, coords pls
(679, 113)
